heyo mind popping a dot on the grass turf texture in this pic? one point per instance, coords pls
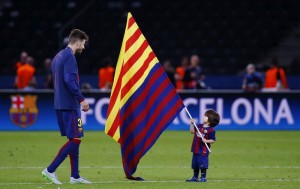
(238, 160)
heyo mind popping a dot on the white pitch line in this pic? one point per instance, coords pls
(183, 181)
(163, 181)
(21, 183)
(278, 167)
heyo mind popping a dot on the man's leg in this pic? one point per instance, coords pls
(74, 161)
(74, 157)
(49, 172)
(65, 150)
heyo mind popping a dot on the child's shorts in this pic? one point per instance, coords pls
(70, 123)
(199, 161)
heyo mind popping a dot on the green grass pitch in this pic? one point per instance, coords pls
(244, 159)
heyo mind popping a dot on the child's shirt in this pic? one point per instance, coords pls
(198, 147)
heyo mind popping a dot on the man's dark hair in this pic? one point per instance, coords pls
(213, 117)
(76, 35)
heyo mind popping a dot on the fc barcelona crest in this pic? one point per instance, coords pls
(23, 111)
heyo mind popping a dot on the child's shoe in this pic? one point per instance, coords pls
(193, 179)
(202, 180)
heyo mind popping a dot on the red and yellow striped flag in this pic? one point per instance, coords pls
(143, 101)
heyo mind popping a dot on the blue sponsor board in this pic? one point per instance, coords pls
(246, 111)
(238, 111)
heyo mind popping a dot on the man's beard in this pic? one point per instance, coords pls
(78, 51)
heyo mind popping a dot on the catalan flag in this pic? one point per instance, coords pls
(143, 101)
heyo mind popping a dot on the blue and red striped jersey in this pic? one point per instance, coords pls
(198, 147)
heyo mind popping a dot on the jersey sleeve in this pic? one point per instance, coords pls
(73, 85)
(70, 65)
(212, 135)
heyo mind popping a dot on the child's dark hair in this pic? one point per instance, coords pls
(76, 35)
(213, 117)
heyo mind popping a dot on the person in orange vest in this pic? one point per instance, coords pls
(25, 78)
(106, 75)
(180, 71)
(22, 61)
(18, 64)
(275, 76)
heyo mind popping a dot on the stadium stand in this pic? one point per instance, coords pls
(226, 34)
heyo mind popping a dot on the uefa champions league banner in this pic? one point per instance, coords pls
(238, 111)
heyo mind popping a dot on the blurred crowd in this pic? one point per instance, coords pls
(25, 73)
(274, 78)
(188, 75)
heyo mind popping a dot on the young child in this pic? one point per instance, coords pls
(200, 152)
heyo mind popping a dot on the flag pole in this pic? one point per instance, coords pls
(187, 111)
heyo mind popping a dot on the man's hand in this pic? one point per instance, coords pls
(85, 106)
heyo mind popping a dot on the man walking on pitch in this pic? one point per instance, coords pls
(67, 102)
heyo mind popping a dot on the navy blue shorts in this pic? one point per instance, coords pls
(70, 123)
(199, 161)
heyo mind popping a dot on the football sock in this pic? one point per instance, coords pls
(74, 156)
(62, 154)
(203, 173)
(196, 173)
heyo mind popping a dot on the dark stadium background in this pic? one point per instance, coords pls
(227, 35)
